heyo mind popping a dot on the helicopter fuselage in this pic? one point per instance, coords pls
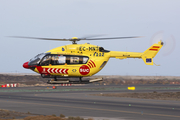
(81, 60)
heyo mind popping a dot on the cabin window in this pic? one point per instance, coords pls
(58, 60)
(74, 60)
(77, 60)
(62, 59)
(85, 59)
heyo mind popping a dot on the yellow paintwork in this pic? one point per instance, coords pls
(92, 51)
(151, 53)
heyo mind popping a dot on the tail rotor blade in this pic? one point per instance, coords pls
(156, 37)
(169, 43)
(169, 46)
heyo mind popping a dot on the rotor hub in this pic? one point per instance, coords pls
(74, 38)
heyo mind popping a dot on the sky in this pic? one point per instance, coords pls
(79, 18)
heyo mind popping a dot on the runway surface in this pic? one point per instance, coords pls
(79, 101)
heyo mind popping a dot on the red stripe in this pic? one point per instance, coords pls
(53, 70)
(154, 49)
(62, 71)
(93, 63)
(66, 71)
(56, 70)
(89, 65)
(49, 70)
(45, 70)
(40, 69)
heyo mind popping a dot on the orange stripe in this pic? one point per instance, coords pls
(89, 65)
(154, 49)
(93, 63)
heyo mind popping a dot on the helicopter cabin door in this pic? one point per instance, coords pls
(55, 64)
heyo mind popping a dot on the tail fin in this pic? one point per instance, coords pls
(151, 52)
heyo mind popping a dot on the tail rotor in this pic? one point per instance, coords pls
(169, 42)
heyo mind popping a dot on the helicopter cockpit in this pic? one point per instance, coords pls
(36, 59)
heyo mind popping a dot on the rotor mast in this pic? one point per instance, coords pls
(74, 39)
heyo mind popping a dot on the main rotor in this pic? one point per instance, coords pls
(75, 39)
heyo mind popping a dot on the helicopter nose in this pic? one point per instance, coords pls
(25, 65)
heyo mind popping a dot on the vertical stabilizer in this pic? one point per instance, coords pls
(151, 52)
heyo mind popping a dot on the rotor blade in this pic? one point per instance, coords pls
(169, 46)
(42, 38)
(91, 36)
(169, 43)
(111, 38)
(156, 37)
(75, 38)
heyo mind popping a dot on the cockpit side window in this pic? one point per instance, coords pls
(46, 60)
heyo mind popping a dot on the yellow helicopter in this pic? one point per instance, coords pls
(81, 60)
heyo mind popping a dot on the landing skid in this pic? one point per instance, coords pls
(74, 82)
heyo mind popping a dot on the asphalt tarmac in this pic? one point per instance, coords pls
(79, 101)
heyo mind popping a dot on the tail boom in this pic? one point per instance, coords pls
(147, 55)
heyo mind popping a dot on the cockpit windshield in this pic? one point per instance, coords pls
(36, 59)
